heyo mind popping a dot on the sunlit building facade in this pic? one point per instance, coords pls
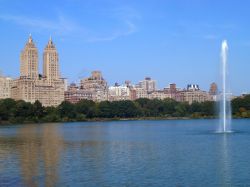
(5, 87)
(97, 85)
(31, 86)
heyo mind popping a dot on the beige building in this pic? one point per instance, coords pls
(50, 62)
(29, 60)
(97, 85)
(159, 94)
(191, 96)
(47, 88)
(5, 87)
(147, 84)
(141, 93)
(118, 92)
(74, 94)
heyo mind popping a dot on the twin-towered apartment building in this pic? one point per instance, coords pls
(51, 89)
(47, 87)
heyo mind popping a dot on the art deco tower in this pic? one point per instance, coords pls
(50, 62)
(29, 60)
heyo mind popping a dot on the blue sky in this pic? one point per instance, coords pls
(169, 40)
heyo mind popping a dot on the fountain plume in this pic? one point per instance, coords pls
(225, 96)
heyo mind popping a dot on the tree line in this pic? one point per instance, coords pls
(12, 111)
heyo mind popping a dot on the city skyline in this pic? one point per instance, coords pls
(177, 43)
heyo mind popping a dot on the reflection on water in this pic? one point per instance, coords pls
(37, 150)
(132, 153)
(225, 160)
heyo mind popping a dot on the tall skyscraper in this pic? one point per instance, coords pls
(29, 60)
(50, 62)
(49, 88)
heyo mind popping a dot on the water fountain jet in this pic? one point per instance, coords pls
(225, 96)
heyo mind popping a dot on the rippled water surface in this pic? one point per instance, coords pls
(125, 153)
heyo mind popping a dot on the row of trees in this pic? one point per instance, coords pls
(21, 111)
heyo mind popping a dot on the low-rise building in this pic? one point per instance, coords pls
(141, 93)
(5, 87)
(159, 94)
(193, 94)
(74, 94)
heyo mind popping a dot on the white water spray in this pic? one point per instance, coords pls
(225, 100)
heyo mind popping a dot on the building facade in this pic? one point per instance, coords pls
(193, 94)
(29, 60)
(5, 87)
(118, 92)
(147, 84)
(31, 86)
(74, 94)
(97, 85)
(50, 62)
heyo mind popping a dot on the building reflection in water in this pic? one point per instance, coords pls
(39, 152)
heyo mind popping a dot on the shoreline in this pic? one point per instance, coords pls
(3, 123)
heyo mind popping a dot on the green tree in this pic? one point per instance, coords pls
(86, 107)
(23, 111)
(67, 110)
(105, 110)
(7, 107)
(125, 109)
(181, 109)
(38, 109)
(169, 106)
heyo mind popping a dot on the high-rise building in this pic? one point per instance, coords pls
(97, 85)
(30, 86)
(147, 84)
(29, 60)
(50, 62)
(118, 92)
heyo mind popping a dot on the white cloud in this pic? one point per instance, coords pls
(61, 25)
(67, 28)
(131, 28)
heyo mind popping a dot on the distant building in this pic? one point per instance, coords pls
(172, 91)
(50, 62)
(118, 92)
(213, 92)
(5, 87)
(141, 93)
(30, 86)
(147, 84)
(74, 94)
(194, 94)
(97, 85)
(192, 87)
(159, 94)
(213, 89)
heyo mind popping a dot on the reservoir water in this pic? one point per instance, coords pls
(125, 153)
